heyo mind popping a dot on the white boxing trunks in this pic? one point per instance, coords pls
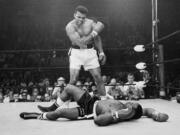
(83, 57)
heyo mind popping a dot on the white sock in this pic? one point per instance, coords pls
(44, 116)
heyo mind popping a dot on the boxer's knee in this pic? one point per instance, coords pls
(64, 96)
(70, 91)
(72, 81)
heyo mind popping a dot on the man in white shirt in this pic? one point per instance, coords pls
(133, 89)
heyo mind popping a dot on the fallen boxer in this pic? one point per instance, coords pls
(104, 112)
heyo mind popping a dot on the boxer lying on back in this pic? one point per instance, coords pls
(104, 112)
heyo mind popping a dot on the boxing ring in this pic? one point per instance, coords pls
(11, 123)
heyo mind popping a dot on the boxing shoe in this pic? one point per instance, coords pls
(26, 115)
(53, 107)
(160, 117)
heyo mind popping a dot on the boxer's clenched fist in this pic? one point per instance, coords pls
(102, 58)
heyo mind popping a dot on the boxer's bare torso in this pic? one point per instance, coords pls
(107, 106)
(82, 30)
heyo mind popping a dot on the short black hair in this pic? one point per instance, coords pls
(138, 112)
(81, 9)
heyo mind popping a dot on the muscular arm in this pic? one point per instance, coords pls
(104, 119)
(81, 41)
(107, 118)
(97, 39)
(98, 44)
(75, 37)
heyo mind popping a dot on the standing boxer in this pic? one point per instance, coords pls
(84, 36)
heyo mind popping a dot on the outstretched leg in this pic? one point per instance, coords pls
(69, 92)
(155, 115)
(69, 113)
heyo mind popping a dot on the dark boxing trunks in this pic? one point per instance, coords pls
(87, 102)
(138, 112)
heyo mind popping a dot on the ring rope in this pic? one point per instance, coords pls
(165, 87)
(63, 49)
(163, 38)
(65, 67)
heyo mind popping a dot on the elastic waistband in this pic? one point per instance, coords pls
(89, 46)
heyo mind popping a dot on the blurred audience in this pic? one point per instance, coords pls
(59, 86)
(114, 90)
(39, 87)
(133, 89)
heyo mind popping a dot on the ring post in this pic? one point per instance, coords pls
(154, 46)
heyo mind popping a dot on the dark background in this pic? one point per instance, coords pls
(40, 24)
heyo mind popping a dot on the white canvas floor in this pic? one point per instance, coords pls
(12, 124)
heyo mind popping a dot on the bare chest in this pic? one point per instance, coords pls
(84, 29)
(110, 106)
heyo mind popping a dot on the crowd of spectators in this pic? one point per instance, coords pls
(47, 88)
(24, 60)
(30, 86)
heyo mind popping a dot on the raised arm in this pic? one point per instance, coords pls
(98, 42)
(98, 26)
(82, 41)
(75, 37)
